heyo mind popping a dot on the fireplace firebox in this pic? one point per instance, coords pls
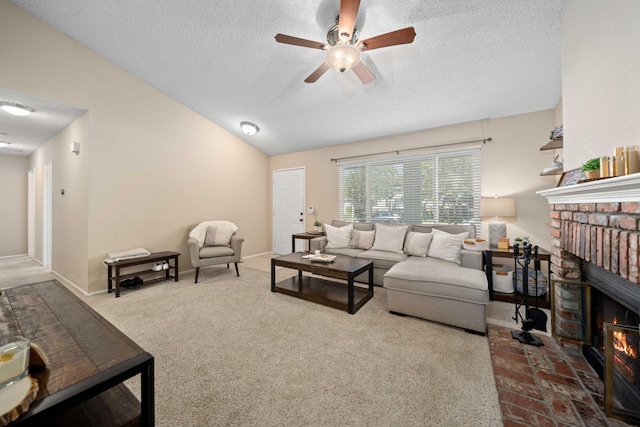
(614, 353)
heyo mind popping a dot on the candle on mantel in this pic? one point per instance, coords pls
(632, 162)
(617, 162)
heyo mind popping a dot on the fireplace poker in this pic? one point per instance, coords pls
(524, 336)
(538, 317)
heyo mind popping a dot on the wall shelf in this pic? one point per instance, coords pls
(552, 144)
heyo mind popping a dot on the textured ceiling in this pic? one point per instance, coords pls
(471, 60)
(27, 134)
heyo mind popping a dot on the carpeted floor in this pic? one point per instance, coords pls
(230, 352)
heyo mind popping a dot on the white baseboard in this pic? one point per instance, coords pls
(13, 256)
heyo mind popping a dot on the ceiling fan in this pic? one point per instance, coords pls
(343, 48)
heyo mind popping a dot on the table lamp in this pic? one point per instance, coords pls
(497, 208)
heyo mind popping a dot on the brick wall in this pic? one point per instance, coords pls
(605, 234)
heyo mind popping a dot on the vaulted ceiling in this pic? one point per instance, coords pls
(471, 60)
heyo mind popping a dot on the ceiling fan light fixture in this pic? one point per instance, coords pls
(343, 57)
(16, 109)
(249, 128)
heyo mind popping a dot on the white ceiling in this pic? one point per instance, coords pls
(25, 134)
(471, 60)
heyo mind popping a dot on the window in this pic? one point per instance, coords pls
(435, 188)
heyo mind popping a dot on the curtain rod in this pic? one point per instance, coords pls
(484, 140)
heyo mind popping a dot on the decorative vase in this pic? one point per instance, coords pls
(593, 174)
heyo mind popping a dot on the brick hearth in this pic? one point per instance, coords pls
(551, 385)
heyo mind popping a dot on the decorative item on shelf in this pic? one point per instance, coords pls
(555, 169)
(521, 240)
(557, 133)
(497, 208)
(617, 162)
(503, 243)
(605, 171)
(591, 168)
(631, 161)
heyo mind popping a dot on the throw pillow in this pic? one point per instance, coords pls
(362, 239)
(218, 236)
(389, 238)
(446, 246)
(338, 237)
(417, 244)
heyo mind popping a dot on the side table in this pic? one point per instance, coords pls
(493, 252)
(307, 235)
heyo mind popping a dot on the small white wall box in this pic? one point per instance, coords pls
(74, 147)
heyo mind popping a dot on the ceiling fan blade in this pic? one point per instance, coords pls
(348, 13)
(296, 41)
(317, 73)
(363, 73)
(403, 36)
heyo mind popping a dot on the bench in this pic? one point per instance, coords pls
(115, 267)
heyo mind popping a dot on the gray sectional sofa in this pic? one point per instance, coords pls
(453, 293)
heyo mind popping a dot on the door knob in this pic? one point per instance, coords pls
(300, 220)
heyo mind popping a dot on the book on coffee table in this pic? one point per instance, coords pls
(320, 258)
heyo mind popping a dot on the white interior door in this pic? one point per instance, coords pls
(31, 212)
(47, 214)
(288, 208)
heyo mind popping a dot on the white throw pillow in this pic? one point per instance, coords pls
(389, 238)
(417, 244)
(447, 246)
(338, 237)
(362, 239)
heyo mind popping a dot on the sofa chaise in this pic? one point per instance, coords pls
(427, 274)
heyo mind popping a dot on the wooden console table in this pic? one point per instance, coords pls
(493, 252)
(165, 256)
(88, 360)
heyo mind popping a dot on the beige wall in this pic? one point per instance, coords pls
(151, 166)
(13, 215)
(600, 84)
(69, 210)
(511, 166)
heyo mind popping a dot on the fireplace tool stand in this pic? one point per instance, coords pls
(525, 336)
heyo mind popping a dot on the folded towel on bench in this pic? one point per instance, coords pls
(128, 254)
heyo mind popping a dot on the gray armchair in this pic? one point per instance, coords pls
(215, 255)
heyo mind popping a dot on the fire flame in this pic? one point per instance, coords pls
(620, 343)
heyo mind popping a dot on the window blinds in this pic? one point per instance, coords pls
(436, 188)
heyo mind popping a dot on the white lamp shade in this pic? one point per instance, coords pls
(498, 207)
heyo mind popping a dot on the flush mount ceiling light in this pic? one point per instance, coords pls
(249, 128)
(16, 109)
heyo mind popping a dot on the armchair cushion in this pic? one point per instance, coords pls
(216, 251)
(199, 233)
(218, 236)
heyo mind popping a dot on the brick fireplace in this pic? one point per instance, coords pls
(595, 234)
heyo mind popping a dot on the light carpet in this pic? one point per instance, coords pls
(228, 351)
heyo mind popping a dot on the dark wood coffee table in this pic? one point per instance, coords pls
(327, 292)
(88, 360)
